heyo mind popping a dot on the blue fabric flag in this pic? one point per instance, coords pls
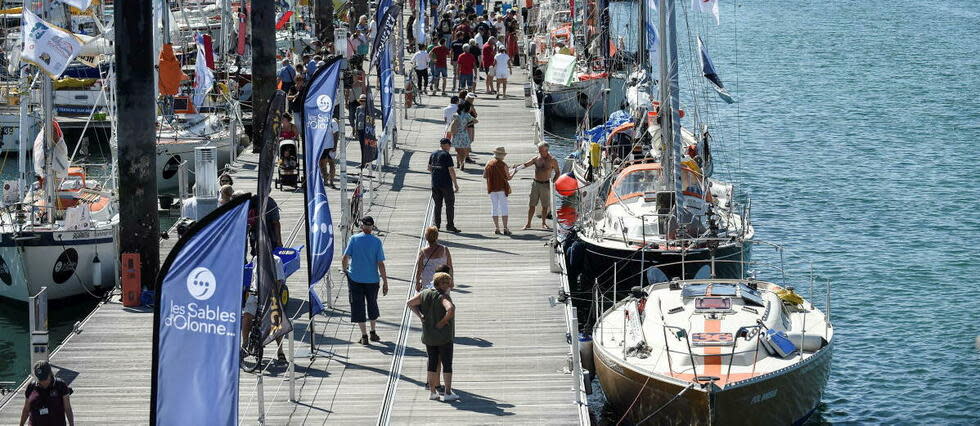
(708, 69)
(653, 40)
(197, 322)
(318, 134)
(387, 83)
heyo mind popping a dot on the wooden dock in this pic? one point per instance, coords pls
(511, 357)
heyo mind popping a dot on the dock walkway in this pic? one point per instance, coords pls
(511, 352)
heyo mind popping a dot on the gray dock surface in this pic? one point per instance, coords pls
(511, 349)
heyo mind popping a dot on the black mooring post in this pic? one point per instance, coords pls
(263, 66)
(139, 225)
(323, 10)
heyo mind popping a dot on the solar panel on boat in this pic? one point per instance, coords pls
(751, 296)
(694, 290)
(723, 290)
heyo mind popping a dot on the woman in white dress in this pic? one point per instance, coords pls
(430, 258)
(502, 68)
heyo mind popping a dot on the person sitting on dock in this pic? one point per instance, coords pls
(545, 166)
(364, 264)
(435, 308)
(47, 399)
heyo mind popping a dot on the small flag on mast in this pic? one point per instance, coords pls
(708, 69)
(706, 6)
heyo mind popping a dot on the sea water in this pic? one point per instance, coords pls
(856, 134)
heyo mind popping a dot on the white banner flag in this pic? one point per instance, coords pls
(707, 6)
(47, 46)
(78, 4)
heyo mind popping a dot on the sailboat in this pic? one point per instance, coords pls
(649, 206)
(190, 120)
(572, 64)
(59, 231)
(718, 347)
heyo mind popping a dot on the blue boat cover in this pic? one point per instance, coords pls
(601, 132)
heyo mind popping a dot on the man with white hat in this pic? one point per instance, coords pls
(497, 175)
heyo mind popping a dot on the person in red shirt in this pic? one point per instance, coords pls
(489, 50)
(440, 54)
(466, 64)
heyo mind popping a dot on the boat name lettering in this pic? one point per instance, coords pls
(764, 396)
(195, 318)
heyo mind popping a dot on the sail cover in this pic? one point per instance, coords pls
(708, 69)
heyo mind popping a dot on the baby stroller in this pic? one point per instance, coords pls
(288, 169)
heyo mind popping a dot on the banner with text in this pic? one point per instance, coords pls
(197, 321)
(318, 133)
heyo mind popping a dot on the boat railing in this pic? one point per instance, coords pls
(791, 271)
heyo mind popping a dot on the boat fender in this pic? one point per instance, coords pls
(97, 271)
(585, 351)
(809, 342)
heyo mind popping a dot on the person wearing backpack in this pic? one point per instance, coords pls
(47, 400)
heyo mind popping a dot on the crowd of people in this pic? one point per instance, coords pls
(467, 44)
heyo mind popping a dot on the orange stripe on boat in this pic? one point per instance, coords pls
(712, 359)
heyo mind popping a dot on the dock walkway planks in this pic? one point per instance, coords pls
(510, 346)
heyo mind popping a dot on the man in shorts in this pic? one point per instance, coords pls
(364, 264)
(545, 167)
(466, 66)
(440, 54)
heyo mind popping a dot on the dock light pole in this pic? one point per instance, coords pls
(139, 224)
(263, 66)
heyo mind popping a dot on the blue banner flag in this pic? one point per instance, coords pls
(386, 81)
(708, 69)
(318, 134)
(387, 18)
(196, 322)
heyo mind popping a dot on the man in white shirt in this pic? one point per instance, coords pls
(502, 69)
(421, 61)
(449, 111)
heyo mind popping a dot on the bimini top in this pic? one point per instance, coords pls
(642, 178)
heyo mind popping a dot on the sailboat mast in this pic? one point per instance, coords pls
(47, 106)
(25, 99)
(670, 122)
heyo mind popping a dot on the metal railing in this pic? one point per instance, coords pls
(395, 370)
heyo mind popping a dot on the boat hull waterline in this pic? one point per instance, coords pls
(781, 397)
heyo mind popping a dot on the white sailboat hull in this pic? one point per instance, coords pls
(10, 130)
(62, 261)
(172, 152)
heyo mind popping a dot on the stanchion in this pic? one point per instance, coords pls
(292, 367)
(260, 390)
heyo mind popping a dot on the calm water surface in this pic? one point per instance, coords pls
(857, 141)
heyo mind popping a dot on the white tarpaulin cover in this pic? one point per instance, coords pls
(561, 69)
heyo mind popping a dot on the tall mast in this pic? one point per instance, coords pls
(670, 122)
(47, 106)
(25, 99)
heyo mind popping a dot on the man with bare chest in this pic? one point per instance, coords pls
(545, 172)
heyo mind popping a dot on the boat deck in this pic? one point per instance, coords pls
(511, 350)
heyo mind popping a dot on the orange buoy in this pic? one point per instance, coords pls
(566, 185)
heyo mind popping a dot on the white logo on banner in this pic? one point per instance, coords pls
(201, 283)
(324, 103)
(321, 228)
